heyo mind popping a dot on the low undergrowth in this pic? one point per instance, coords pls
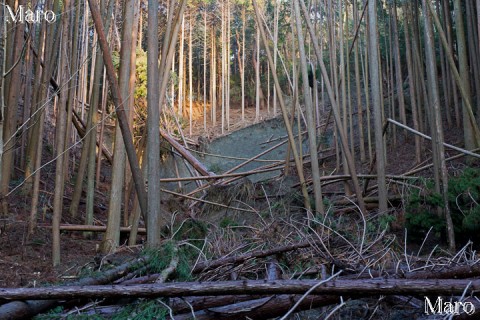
(424, 208)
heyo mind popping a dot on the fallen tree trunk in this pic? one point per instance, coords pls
(29, 308)
(187, 304)
(186, 154)
(264, 308)
(80, 126)
(81, 227)
(334, 287)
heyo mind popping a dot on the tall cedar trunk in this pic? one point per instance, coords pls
(361, 134)
(275, 50)
(335, 110)
(205, 69)
(71, 100)
(242, 72)
(398, 65)
(257, 76)
(229, 53)
(470, 141)
(375, 67)
(34, 142)
(112, 235)
(343, 96)
(153, 128)
(2, 86)
(181, 70)
(122, 117)
(411, 87)
(312, 139)
(473, 47)
(436, 122)
(223, 64)
(60, 138)
(190, 74)
(213, 77)
(12, 80)
(97, 91)
(291, 138)
(458, 80)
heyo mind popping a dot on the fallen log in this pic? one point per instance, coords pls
(80, 227)
(81, 128)
(186, 154)
(264, 308)
(445, 272)
(29, 308)
(186, 304)
(366, 287)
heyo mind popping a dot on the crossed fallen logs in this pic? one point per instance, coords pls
(258, 299)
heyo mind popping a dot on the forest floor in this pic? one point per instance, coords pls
(25, 260)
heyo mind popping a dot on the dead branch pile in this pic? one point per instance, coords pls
(260, 273)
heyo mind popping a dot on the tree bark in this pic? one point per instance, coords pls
(364, 287)
(311, 128)
(13, 65)
(437, 125)
(29, 308)
(112, 235)
(153, 126)
(375, 68)
(262, 308)
(291, 139)
(118, 102)
(469, 134)
(60, 139)
(335, 110)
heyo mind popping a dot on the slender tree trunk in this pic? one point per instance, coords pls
(2, 86)
(275, 50)
(361, 136)
(190, 73)
(470, 141)
(35, 148)
(291, 138)
(14, 67)
(398, 66)
(436, 122)
(335, 111)
(257, 77)
(205, 69)
(242, 69)
(309, 113)
(213, 77)
(181, 71)
(411, 86)
(153, 128)
(96, 100)
(375, 67)
(118, 102)
(112, 235)
(473, 47)
(227, 59)
(60, 139)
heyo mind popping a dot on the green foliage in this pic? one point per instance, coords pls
(159, 259)
(143, 310)
(141, 72)
(141, 75)
(463, 199)
(228, 222)
(55, 313)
